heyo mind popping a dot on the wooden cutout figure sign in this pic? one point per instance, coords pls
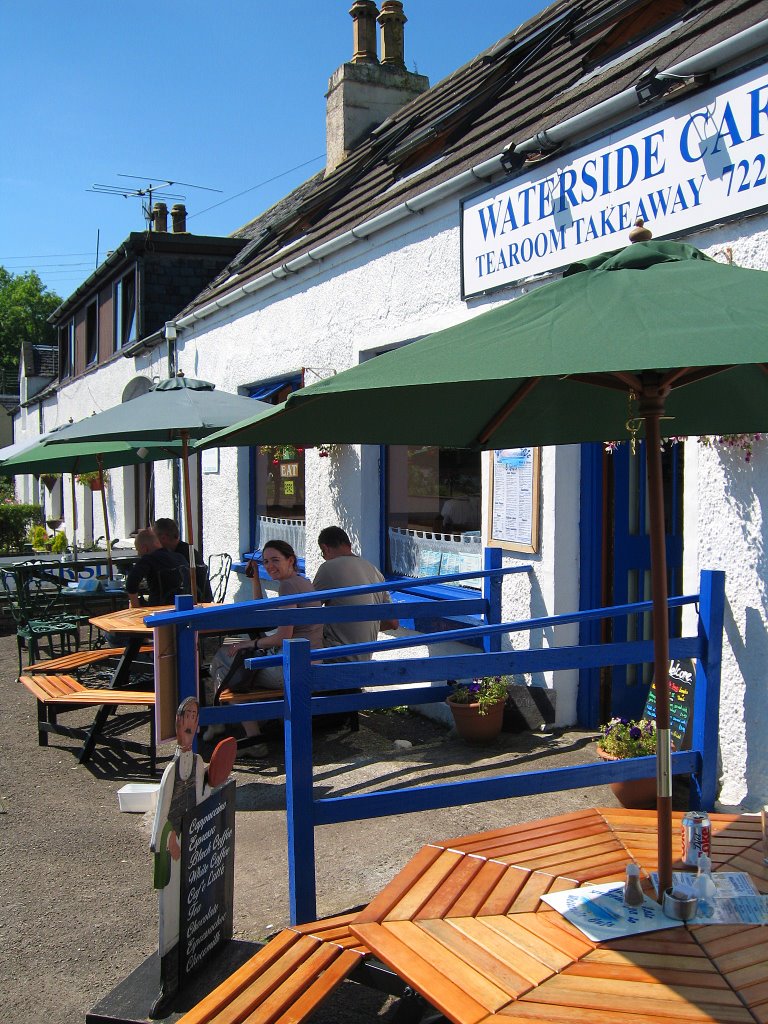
(185, 784)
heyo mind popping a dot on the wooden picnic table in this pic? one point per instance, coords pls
(128, 625)
(464, 924)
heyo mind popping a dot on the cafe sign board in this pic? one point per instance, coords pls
(207, 878)
(700, 161)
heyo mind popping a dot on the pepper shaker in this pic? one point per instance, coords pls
(633, 893)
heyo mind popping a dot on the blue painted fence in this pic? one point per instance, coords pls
(306, 682)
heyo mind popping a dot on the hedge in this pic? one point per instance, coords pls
(15, 521)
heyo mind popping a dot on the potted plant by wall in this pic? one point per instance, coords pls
(60, 544)
(38, 538)
(49, 479)
(478, 707)
(622, 738)
(92, 479)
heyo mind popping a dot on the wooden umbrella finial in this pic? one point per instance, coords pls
(640, 233)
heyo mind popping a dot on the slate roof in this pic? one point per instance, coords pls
(40, 360)
(531, 80)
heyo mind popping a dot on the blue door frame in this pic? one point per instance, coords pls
(615, 566)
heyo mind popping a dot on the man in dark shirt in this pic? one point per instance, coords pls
(166, 574)
(167, 531)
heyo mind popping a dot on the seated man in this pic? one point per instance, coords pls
(167, 531)
(165, 573)
(343, 569)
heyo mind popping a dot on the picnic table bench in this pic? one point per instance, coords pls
(57, 693)
(81, 659)
(288, 978)
(226, 696)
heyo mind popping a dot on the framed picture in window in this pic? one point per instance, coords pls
(514, 499)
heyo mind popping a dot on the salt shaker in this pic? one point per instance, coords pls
(633, 893)
(703, 885)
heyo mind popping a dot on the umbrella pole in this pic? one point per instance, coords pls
(99, 460)
(651, 409)
(188, 511)
(73, 491)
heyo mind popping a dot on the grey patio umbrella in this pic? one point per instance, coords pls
(173, 411)
(657, 334)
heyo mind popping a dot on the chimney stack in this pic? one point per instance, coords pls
(160, 217)
(179, 218)
(363, 14)
(392, 20)
(363, 93)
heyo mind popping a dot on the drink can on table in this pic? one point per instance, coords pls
(696, 834)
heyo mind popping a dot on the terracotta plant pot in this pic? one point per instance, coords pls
(637, 794)
(95, 485)
(474, 727)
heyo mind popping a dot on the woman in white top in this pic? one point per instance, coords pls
(280, 561)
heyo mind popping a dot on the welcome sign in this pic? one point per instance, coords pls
(704, 161)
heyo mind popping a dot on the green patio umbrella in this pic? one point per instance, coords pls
(526, 372)
(656, 337)
(175, 410)
(84, 457)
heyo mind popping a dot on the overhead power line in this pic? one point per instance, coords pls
(49, 266)
(267, 181)
(48, 256)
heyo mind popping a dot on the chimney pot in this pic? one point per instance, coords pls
(392, 19)
(160, 217)
(179, 218)
(363, 13)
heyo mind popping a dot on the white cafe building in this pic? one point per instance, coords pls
(437, 204)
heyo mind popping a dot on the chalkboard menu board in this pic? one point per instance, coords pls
(207, 878)
(682, 681)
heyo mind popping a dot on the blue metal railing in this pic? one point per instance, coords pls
(305, 682)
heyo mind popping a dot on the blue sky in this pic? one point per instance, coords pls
(228, 94)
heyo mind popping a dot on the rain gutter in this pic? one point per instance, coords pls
(709, 59)
(553, 138)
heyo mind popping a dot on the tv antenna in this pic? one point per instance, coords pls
(155, 189)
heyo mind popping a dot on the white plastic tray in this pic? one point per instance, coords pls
(138, 797)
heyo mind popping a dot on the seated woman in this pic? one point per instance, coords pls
(280, 561)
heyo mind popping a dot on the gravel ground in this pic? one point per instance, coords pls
(75, 874)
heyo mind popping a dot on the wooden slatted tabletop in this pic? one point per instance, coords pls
(464, 924)
(131, 620)
(127, 620)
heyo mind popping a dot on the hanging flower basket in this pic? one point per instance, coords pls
(281, 452)
(49, 480)
(91, 479)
